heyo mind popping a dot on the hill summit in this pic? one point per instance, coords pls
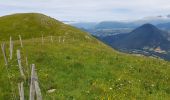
(31, 25)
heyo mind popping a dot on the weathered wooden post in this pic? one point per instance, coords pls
(42, 39)
(37, 88)
(52, 39)
(11, 48)
(4, 53)
(19, 64)
(20, 41)
(32, 87)
(21, 90)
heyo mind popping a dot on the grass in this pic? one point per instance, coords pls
(85, 69)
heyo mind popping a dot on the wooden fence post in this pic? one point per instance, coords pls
(42, 39)
(19, 64)
(52, 39)
(20, 41)
(32, 87)
(4, 53)
(21, 90)
(37, 88)
(11, 48)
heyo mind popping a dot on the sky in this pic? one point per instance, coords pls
(88, 10)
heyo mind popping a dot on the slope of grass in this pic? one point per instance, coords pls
(82, 68)
(31, 25)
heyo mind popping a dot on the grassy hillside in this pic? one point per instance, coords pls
(81, 67)
(31, 25)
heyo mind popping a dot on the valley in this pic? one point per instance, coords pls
(123, 38)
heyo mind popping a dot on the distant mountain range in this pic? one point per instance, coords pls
(162, 22)
(85, 25)
(146, 39)
(151, 39)
(115, 25)
(121, 25)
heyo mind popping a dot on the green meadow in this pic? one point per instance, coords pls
(78, 68)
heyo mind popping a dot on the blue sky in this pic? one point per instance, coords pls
(88, 10)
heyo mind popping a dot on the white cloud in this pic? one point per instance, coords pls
(88, 10)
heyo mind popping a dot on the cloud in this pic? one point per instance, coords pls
(89, 10)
